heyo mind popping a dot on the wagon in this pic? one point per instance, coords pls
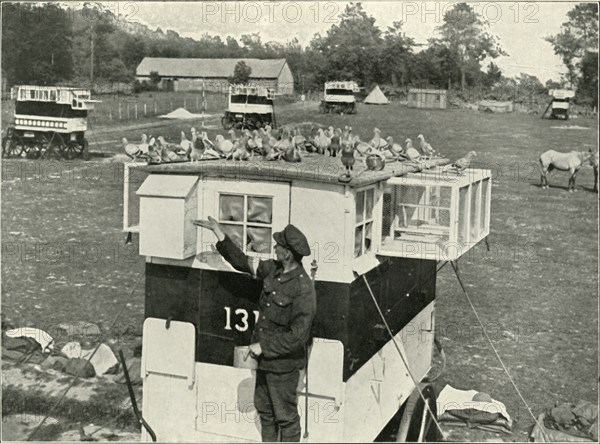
(339, 98)
(48, 120)
(375, 250)
(559, 105)
(249, 107)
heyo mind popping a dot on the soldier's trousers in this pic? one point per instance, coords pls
(276, 402)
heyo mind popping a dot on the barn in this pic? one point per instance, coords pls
(213, 74)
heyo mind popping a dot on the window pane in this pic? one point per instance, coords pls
(368, 236)
(231, 208)
(235, 233)
(358, 241)
(370, 202)
(260, 209)
(259, 239)
(360, 206)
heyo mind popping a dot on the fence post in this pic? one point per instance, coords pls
(155, 110)
(145, 113)
(120, 114)
(135, 109)
(127, 111)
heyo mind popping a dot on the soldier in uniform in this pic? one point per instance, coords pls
(287, 307)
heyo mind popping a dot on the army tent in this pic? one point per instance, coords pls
(376, 97)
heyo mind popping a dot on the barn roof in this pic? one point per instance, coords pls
(313, 167)
(209, 68)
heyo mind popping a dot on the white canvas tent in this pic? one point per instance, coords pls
(376, 97)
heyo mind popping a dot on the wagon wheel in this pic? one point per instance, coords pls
(226, 122)
(73, 149)
(417, 423)
(12, 146)
(32, 149)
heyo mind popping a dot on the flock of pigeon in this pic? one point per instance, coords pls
(287, 144)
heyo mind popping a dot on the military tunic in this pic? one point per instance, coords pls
(287, 306)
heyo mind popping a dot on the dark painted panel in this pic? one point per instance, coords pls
(345, 312)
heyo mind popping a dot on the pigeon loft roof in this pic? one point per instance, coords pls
(314, 167)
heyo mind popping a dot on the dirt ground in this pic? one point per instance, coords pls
(64, 257)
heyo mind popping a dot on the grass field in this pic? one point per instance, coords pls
(536, 291)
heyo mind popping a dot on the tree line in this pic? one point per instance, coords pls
(47, 44)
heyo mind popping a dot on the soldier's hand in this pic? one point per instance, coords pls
(254, 349)
(212, 224)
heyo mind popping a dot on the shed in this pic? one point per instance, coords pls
(427, 98)
(213, 74)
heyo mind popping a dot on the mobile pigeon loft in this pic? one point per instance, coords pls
(371, 240)
(48, 119)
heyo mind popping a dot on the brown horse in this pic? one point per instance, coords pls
(571, 162)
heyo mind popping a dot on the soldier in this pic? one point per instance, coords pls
(287, 307)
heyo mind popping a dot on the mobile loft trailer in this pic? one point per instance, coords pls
(376, 242)
(249, 107)
(339, 98)
(48, 119)
(559, 104)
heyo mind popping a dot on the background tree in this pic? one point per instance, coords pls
(241, 74)
(577, 45)
(395, 54)
(350, 48)
(464, 34)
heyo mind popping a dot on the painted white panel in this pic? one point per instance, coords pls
(168, 373)
(320, 212)
(378, 389)
(165, 185)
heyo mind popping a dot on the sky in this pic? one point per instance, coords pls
(519, 26)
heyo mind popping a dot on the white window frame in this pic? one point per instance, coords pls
(365, 221)
(215, 187)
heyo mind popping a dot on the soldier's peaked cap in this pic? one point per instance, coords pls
(293, 239)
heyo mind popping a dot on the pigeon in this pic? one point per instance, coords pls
(322, 142)
(463, 163)
(153, 155)
(292, 153)
(240, 149)
(348, 158)
(223, 145)
(377, 142)
(394, 149)
(185, 144)
(334, 146)
(363, 148)
(426, 148)
(131, 149)
(411, 152)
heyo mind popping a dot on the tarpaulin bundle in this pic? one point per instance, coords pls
(567, 423)
(473, 409)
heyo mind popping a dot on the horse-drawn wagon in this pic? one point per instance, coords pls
(48, 120)
(339, 98)
(376, 242)
(249, 107)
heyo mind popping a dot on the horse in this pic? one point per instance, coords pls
(571, 162)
